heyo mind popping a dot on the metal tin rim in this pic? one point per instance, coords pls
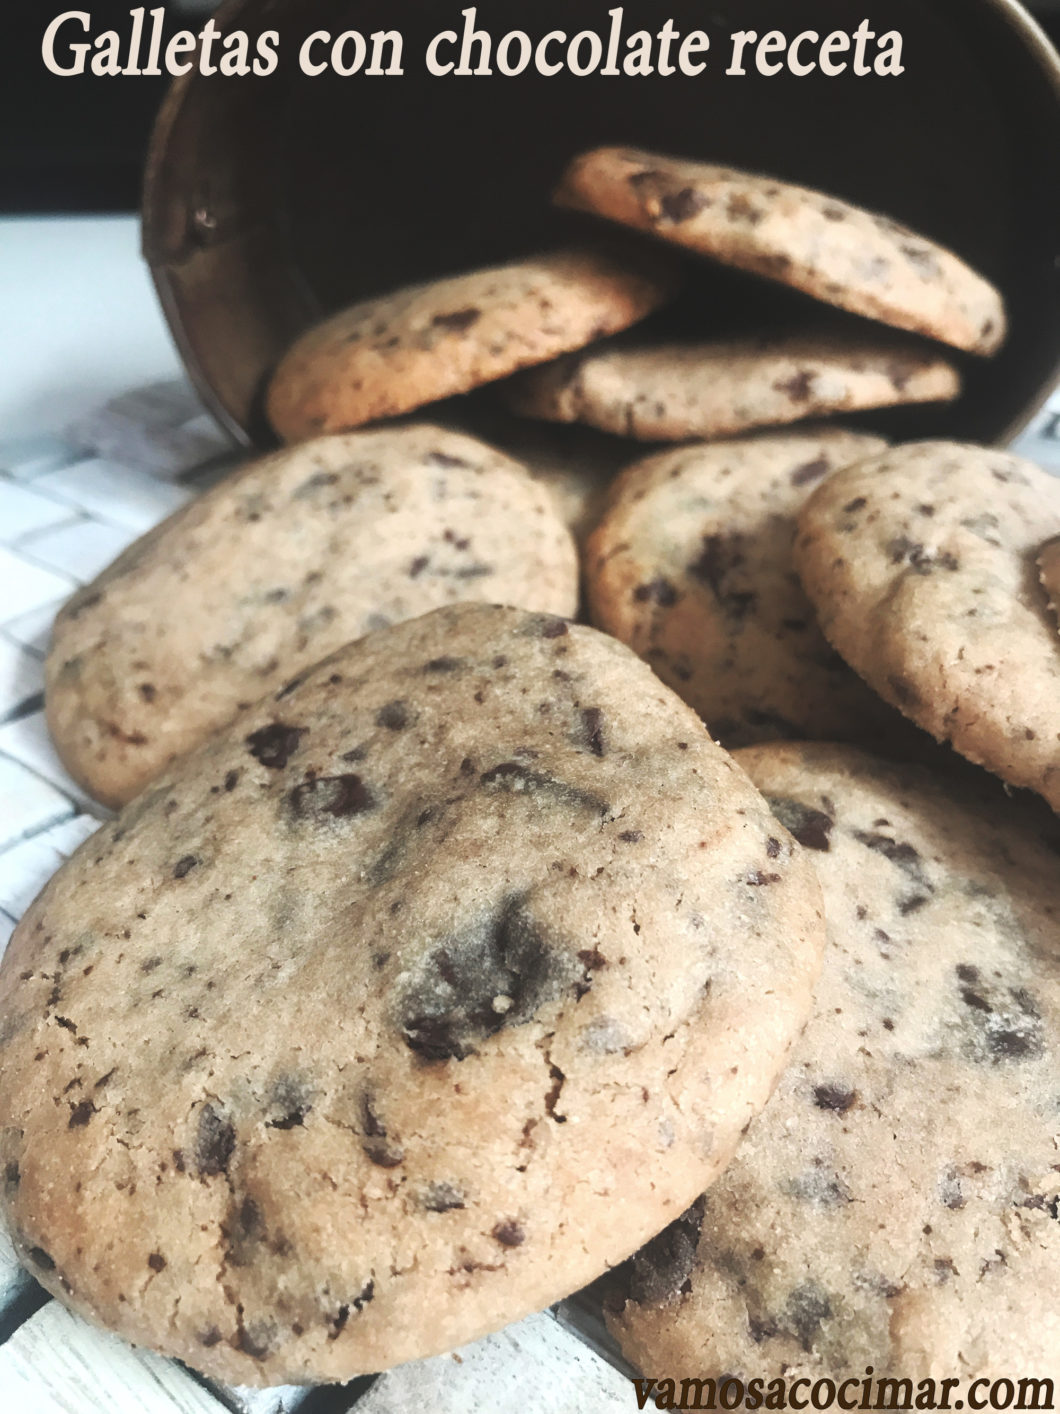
(1038, 46)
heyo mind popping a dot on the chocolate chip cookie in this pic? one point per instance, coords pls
(895, 1205)
(278, 566)
(405, 1005)
(836, 252)
(674, 392)
(921, 565)
(692, 567)
(389, 355)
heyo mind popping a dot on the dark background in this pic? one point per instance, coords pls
(77, 144)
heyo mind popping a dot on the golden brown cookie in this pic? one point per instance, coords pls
(829, 249)
(893, 1210)
(274, 568)
(921, 566)
(403, 1007)
(675, 392)
(692, 567)
(392, 354)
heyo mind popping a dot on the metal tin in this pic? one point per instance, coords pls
(270, 202)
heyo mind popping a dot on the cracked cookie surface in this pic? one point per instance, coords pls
(395, 353)
(692, 567)
(838, 253)
(675, 392)
(401, 1008)
(921, 565)
(278, 566)
(896, 1203)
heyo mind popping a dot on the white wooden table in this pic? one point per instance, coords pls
(80, 479)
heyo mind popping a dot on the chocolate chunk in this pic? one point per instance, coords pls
(183, 867)
(509, 1234)
(762, 1328)
(683, 205)
(662, 1268)
(923, 260)
(857, 504)
(659, 591)
(912, 903)
(156, 1262)
(919, 558)
(631, 836)
(807, 1308)
(720, 557)
(836, 1098)
(1003, 1023)
(593, 729)
(274, 745)
(741, 208)
(903, 856)
(459, 321)
(243, 1230)
(231, 781)
(395, 716)
(444, 459)
(443, 1198)
(443, 665)
(215, 1142)
(337, 1320)
(256, 1339)
(950, 1189)
(817, 1187)
(812, 471)
(902, 548)
(382, 1148)
(799, 387)
(498, 972)
(810, 827)
(293, 1119)
(555, 628)
(290, 1101)
(330, 797)
(80, 1114)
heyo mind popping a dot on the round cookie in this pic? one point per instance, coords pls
(437, 984)
(1049, 571)
(674, 392)
(276, 567)
(692, 567)
(921, 567)
(577, 466)
(392, 354)
(836, 252)
(895, 1205)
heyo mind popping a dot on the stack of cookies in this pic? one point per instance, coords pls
(441, 958)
